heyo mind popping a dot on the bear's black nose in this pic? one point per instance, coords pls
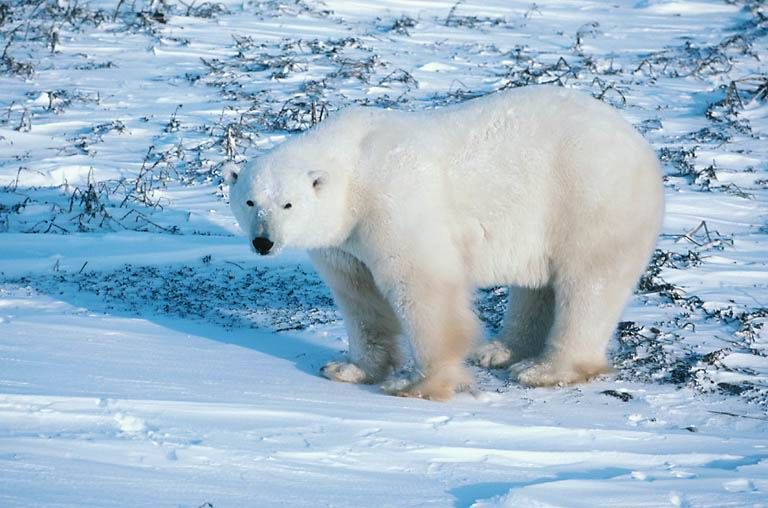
(262, 244)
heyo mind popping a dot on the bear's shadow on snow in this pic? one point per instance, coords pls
(306, 356)
(262, 308)
(467, 495)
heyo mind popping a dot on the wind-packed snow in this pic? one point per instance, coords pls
(148, 358)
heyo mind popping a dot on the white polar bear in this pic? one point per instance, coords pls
(405, 214)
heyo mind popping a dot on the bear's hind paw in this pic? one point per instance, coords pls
(543, 372)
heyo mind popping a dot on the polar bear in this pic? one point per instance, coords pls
(405, 214)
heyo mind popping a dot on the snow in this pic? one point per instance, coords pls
(116, 410)
(147, 358)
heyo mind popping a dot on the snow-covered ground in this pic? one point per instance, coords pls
(147, 358)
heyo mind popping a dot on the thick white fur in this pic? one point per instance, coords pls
(405, 214)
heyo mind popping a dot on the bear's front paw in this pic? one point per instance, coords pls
(345, 372)
(439, 386)
(546, 372)
(398, 384)
(493, 355)
(426, 389)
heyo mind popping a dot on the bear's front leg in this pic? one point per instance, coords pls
(438, 318)
(371, 324)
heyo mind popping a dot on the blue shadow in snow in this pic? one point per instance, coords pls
(466, 495)
(732, 464)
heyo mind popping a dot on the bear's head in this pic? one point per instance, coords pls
(286, 200)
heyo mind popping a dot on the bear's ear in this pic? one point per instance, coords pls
(230, 171)
(319, 179)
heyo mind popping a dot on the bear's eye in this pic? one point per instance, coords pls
(249, 203)
(287, 206)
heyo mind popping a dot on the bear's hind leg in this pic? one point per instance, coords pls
(587, 309)
(527, 322)
(371, 324)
